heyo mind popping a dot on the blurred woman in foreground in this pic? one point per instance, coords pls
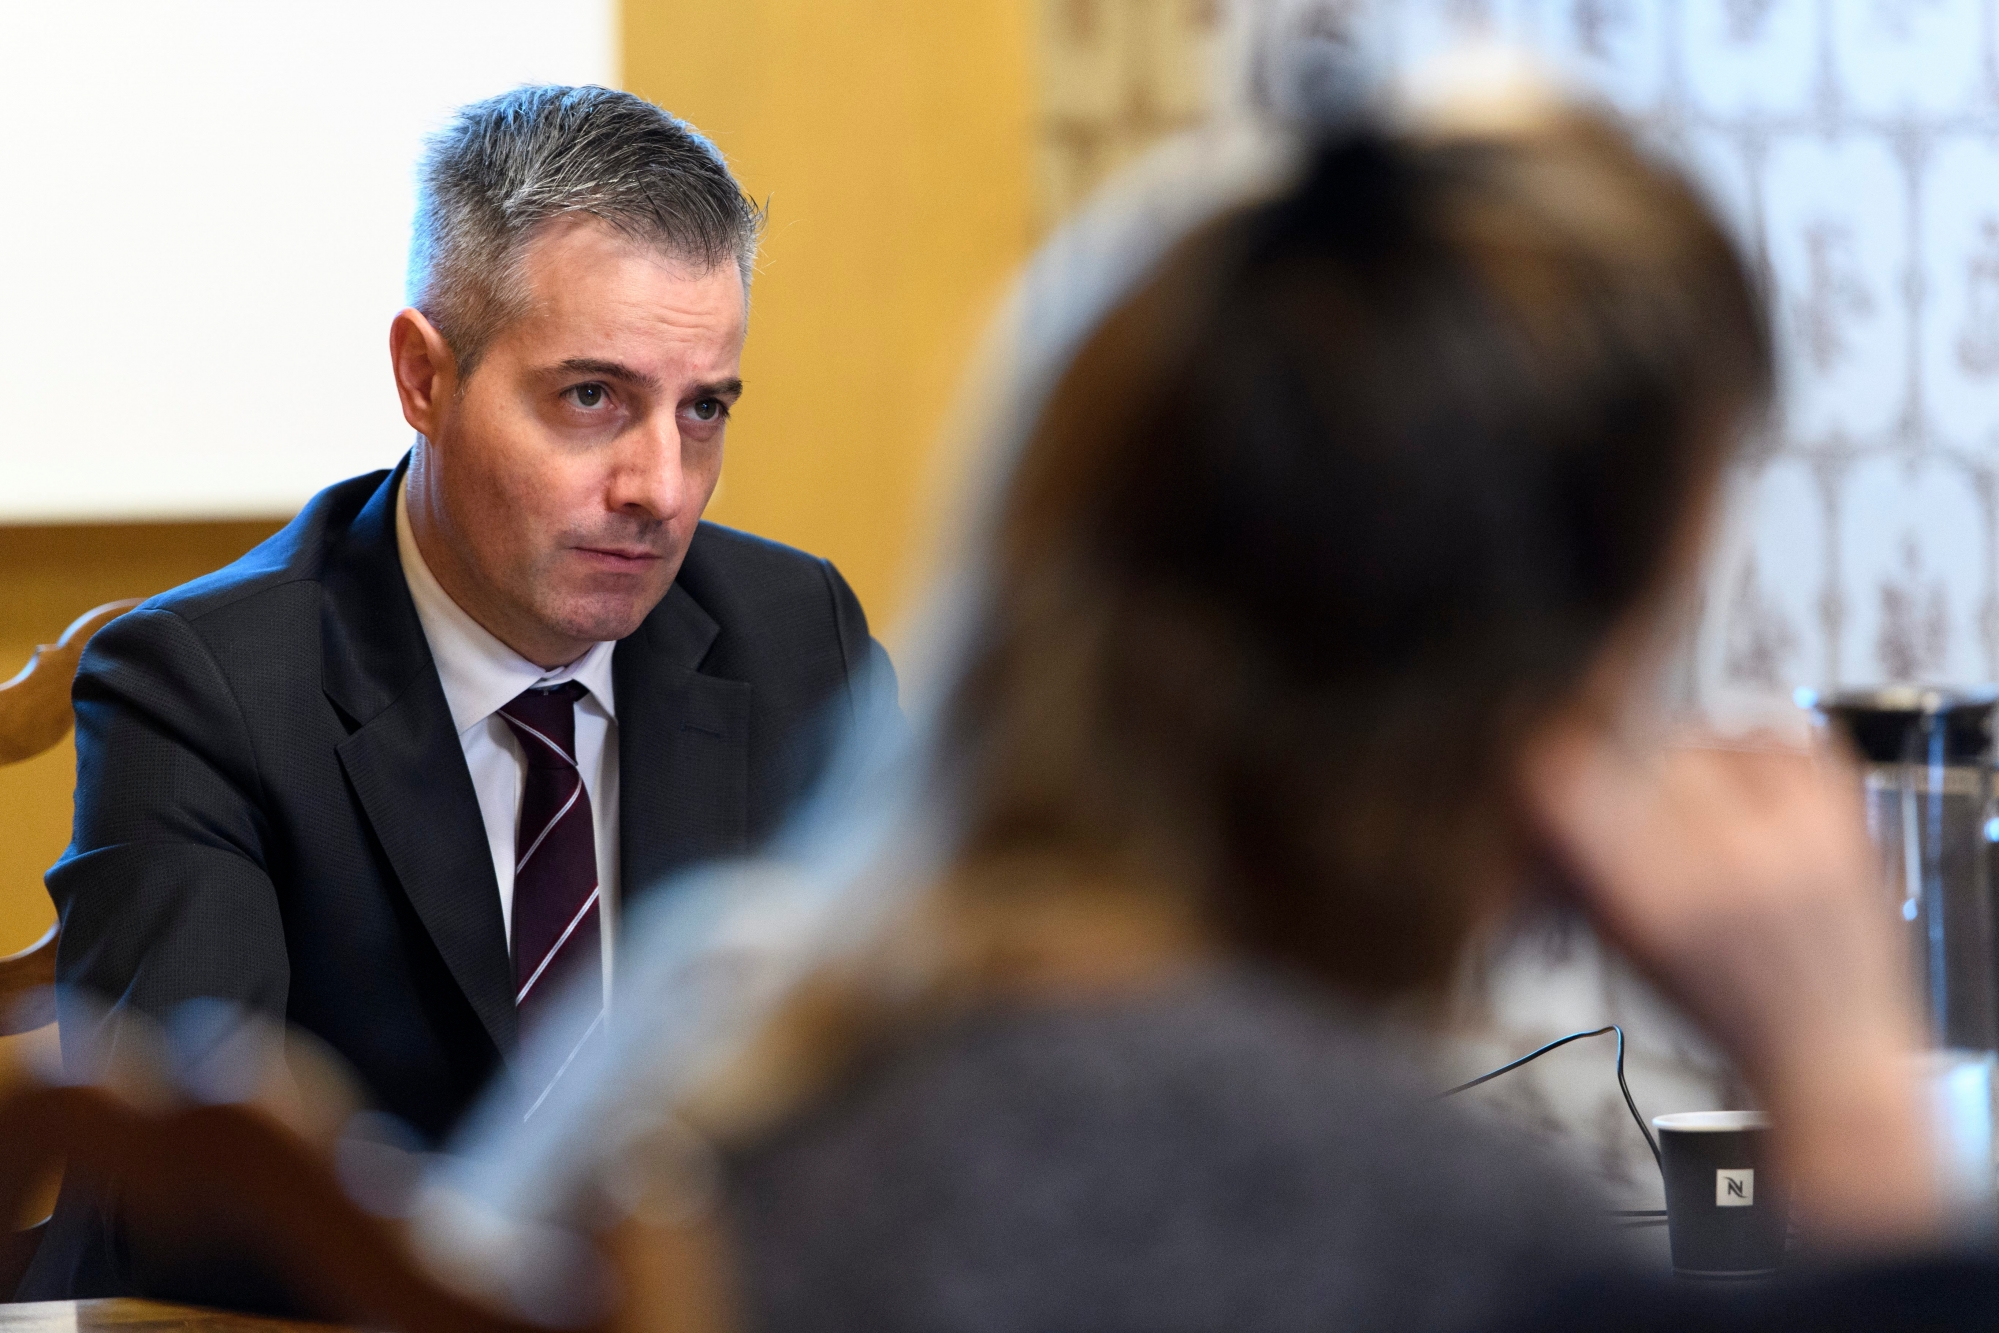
(1320, 609)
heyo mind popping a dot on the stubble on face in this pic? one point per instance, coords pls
(573, 466)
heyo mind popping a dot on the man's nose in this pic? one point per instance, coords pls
(648, 481)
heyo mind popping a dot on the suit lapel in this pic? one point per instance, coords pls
(683, 749)
(405, 763)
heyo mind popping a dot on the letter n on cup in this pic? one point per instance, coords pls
(1735, 1189)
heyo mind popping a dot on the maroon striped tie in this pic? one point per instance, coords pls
(556, 911)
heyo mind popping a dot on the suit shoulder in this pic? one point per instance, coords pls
(733, 553)
(764, 592)
(296, 553)
(732, 573)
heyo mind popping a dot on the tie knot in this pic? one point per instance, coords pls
(544, 721)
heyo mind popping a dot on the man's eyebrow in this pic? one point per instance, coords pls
(617, 370)
(610, 370)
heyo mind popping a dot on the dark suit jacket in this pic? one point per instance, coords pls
(272, 806)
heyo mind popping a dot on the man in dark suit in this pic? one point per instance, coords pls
(394, 777)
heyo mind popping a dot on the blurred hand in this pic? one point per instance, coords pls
(1740, 878)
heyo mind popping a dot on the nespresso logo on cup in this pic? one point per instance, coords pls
(1735, 1189)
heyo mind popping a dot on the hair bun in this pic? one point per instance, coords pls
(1354, 196)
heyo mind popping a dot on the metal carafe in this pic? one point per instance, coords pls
(1927, 757)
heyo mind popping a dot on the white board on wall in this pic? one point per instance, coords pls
(204, 221)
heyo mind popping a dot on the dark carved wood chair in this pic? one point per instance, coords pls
(34, 715)
(232, 1178)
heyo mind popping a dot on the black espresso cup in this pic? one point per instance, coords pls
(1726, 1214)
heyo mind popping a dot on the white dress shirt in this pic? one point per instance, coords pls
(480, 676)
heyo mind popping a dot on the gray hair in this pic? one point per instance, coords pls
(508, 165)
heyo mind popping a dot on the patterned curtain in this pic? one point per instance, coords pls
(1855, 145)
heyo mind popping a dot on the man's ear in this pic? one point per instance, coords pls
(426, 371)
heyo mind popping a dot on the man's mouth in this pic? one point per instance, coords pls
(621, 556)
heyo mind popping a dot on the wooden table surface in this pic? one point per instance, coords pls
(130, 1316)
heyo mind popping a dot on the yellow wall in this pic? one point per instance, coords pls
(894, 142)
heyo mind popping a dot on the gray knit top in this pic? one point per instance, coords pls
(1230, 1155)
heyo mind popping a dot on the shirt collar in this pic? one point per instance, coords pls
(479, 673)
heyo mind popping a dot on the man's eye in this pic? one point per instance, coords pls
(587, 395)
(710, 409)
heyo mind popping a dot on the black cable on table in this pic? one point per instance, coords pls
(1622, 1086)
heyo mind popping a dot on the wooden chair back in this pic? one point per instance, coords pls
(35, 714)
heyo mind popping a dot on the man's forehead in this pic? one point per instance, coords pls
(583, 240)
(624, 304)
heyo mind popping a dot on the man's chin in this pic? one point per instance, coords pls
(600, 619)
